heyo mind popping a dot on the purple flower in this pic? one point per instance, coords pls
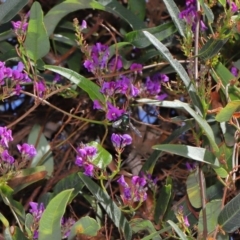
(162, 96)
(27, 150)
(98, 58)
(115, 64)
(66, 224)
(57, 77)
(84, 159)
(136, 67)
(152, 87)
(6, 157)
(88, 169)
(108, 88)
(113, 112)
(5, 136)
(122, 182)
(234, 71)
(186, 222)
(233, 5)
(83, 25)
(36, 209)
(40, 88)
(96, 105)
(19, 26)
(141, 181)
(120, 141)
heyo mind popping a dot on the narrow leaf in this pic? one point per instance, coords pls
(229, 218)
(86, 85)
(195, 153)
(174, 13)
(109, 206)
(50, 222)
(10, 9)
(177, 230)
(227, 112)
(37, 42)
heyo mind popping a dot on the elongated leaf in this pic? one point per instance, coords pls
(54, 16)
(178, 105)
(86, 85)
(71, 181)
(161, 32)
(26, 177)
(86, 225)
(18, 234)
(207, 11)
(162, 202)
(227, 112)
(211, 48)
(138, 7)
(42, 148)
(193, 189)
(37, 42)
(174, 13)
(213, 209)
(177, 230)
(4, 220)
(50, 222)
(10, 9)
(109, 206)
(195, 153)
(7, 234)
(179, 70)
(229, 218)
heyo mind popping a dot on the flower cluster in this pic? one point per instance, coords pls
(190, 15)
(98, 58)
(28, 151)
(153, 85)
(137, 192)
(120, 141)
(37, 209)
(85, 156)
(15, 75)
(233, 6)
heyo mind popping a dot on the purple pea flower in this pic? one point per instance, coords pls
(97, 105)
(5, 136)
(83, 25)
(234, 71)
(186, 222)
(108, 88)
(6, 157)
(115, 64)
(113, 112)
(19, 26)
(121, 141)
(40, 88)
(136, 67)
(233, 6)
(27, 150)
(66, 224)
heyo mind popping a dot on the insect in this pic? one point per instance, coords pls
(124, 123)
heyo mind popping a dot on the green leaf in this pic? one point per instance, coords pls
(138, 7)
(110, 207)
(162, 202)
(50, 222)
(177, 230)
(26, 177)
(179, 70)
(213, 209)
(86, 85)
(10, 9)
(207, 130)
(7, 196)
(71, 181)
(161, 32)
(44, 153)
(37, 42)
(193, 189)
(139, 224)
(7, 234)
(18, 234)
(222, 2)
(57, 13)
(207, 11)
(195, 153)
(227, 112)
(102, 158)
(229, 218)
(174, 13)
(29, 223)
(4, 220)
(211, 48)
(86, 225)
